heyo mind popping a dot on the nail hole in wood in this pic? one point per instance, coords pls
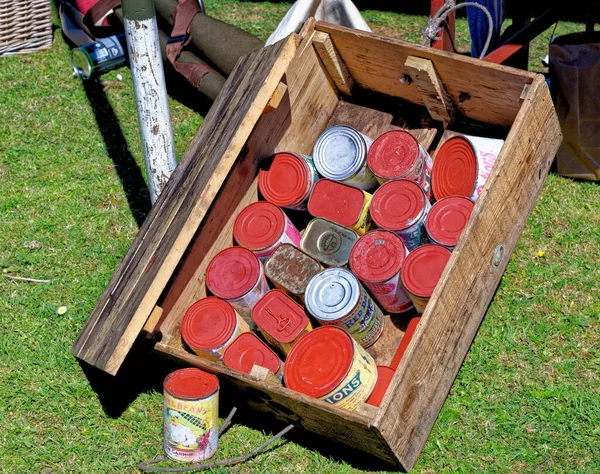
(406, 79)
(498, 255)
(463, 97)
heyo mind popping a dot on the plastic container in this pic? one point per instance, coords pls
(248, 351)
(328, 242)
(261, 227)
(290, 270)
(447, 219)
(376, 260)
(210, 325)
(342, 204)
(340, 154)
(421, 272)
(281, 320)
(384, 377)
(401, 207)
(237, 276)
(336, 297)
(329, 365)
(289, 180)
(191, 415)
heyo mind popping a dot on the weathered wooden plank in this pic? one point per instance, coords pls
(428, 83)
(456, 309)
(276, 98)
(333, 62)
(481, 91)
(138, 282)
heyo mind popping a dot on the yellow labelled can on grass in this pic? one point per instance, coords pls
(328, 364)
(191, 415)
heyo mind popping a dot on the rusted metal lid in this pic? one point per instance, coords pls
(377, 256)
(423, 268)
(339, 152)
(384, 377)
(398, 204)
(337, 202)
(191, 384)
(258, 225)
(455, 169)
(291, 268)
(447, 219)
(393, 154)
(232, 272)
(287, 181)
(332, 294)
(319, 361)
(328, 242)
(280, 316)
(208, 323)
(248, 350)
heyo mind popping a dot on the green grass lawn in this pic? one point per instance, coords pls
(527, 398)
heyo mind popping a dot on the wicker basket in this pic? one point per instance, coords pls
(25, 26)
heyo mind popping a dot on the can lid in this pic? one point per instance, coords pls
(191, 383)
(319, 361)
(248, 350)
(82, 63)
(398, 204)
(232, 272)
(259, 225)
(339, 152)
(393, 154)
(337, 202)
(332, 293)
(423, 268)
(280, 316)
(328, 242)
(291, 268)
(454, 170)
(384, 377)
(377, 256)
(208, 323)
(447, 218)
(286, 182)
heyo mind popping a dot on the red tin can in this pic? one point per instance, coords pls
(384, 377)
(290, 270)
(340, 203)
(328, 364)
(408, 334)
(447, 219)
(421, 272)
(262, 227)
(289, 180)
(281, 320)
(237, 276)
(398, 155)
(248, 351)
(210, 325)
(376, 259)
(401, 206)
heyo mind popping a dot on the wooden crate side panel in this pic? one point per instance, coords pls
(481, 91)
(140, 279)
(460, 300)
(295, 125)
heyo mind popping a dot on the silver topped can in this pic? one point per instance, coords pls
(340, 154)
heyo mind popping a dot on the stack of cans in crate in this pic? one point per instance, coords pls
(317, 298)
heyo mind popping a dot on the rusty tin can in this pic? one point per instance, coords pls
(328, 242)
(290, 270)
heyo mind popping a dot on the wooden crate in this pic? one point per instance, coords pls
(280, 99)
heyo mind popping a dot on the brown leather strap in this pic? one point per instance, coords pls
(95, 14)
(183, 15)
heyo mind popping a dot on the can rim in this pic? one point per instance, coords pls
(259, 225)
(298, 318)
(441, 222)
(248, 263)
(207, 384)
(455, 168)
(377, 256)
(379, 154)
(287, 181)
(423, 268)
(317, 203)
(356, 160)
(398, 204)
(208, 324)
(340, 285)
(236, 358)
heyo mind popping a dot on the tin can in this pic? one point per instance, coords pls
(191, 415)
(100, 56)
(421, 272)
(487, 150)
(328, 242)
(262, 227)
(336, 297)
(406, 338)
(281, 320)
(289, 180)
(376, 260)
(384, 377)
(248, 351)
(340, 154)
(210, 325)
(401, 206)
(447, 219)
(237, 276)
(398, 155)
(290, 270)
(329, 365)
(342, 204)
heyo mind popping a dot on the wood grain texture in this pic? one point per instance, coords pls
(481, 91)
(428, 83)
(137, 284)
(276, 98)
(459, 302)
(333, 62)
